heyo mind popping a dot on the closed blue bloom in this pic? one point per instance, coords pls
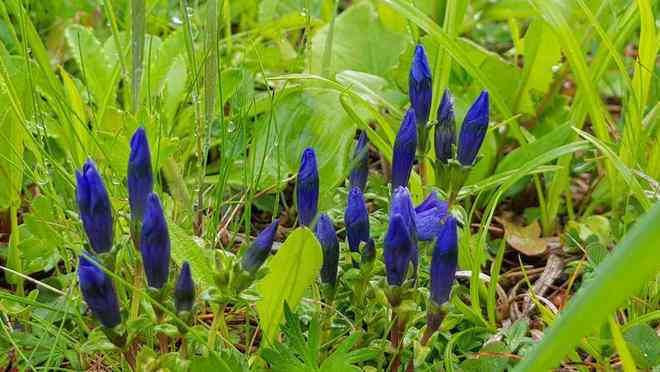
(402, 205)
(327, 236)
(403, 153)
(473, 130)
(184, 290)
(445, 131)
(428, 217)
(155, 243)
(444, 262)
(140, 177)
(258, 252)
(307, 188)
(420, 87)
(98, 292)
(94, 205)
(360, 163)
(398, 250)
(356, 219)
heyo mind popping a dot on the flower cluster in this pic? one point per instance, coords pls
(148, 226)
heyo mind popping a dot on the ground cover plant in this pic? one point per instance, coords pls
(329, 185)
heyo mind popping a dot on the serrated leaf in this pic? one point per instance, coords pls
(294, 268)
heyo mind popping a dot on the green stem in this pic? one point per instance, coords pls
(218, 324)
(14, 252)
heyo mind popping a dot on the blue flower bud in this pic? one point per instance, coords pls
(98, 292)
(420, 87)
(473, 130)
(398, 248)
(428, 217)
(259, 250)
(95, 209)
(402, 205)
(444, 262)
(184, 290)
(403, 153)
(155, 243)
(307, 188)
(356, 219)
(360, 163)
(445, 131)
(327, 236)
(140, 177)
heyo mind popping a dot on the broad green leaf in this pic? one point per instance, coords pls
(500, 72)
(92, 61)
(361, 42)
(187, 248)
(541, 54)
(644, 345)
(613, 283)
(270, 10)
(311, 118)
(77, 135)
(294, 268)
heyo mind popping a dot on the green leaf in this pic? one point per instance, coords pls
(92, 61)
(541, 54)
(271, 10)
(516, 158)
(187, 248)
(361, 42)
(311, 118)
(226, 361)
(614, 281)
(488, 362)
(644, 345)
(294, 268)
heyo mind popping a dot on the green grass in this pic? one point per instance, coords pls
(231, 92)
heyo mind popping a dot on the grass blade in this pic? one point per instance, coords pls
(618, 277)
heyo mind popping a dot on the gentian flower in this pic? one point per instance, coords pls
(428, 217)
(327, 236)
(402, 205)
(356, 219)
(445, 131)
(184, 290)
(94, 205)
(155, 243)
(473, 130)
(307, 188)
(420, 87)
(360, 163)
(255, 256)
(98, 292)
(444, 261)
(431, 201)
(403, 154)
(140, 177)
(398, 250)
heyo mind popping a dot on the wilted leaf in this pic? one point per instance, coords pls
(525, 239)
